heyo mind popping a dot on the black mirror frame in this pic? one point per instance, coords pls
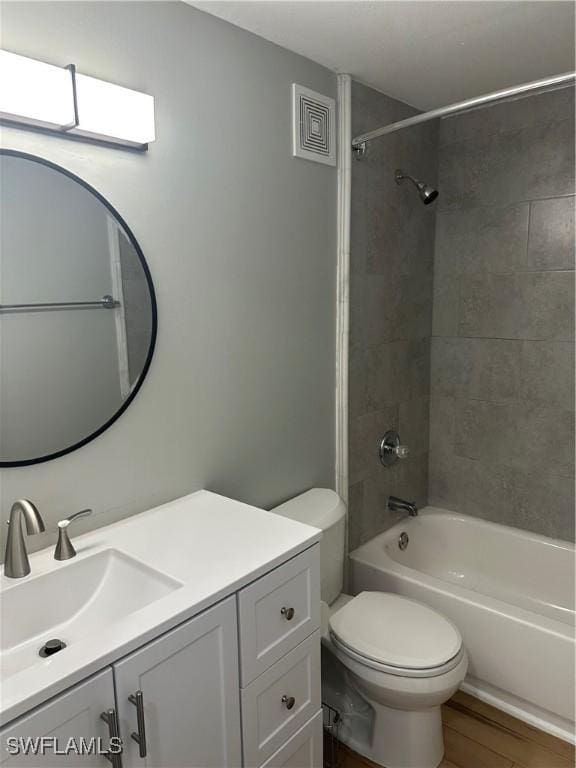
(150, 284)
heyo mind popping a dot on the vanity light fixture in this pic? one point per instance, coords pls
(113, 113)
(45, 96)
(34, 93)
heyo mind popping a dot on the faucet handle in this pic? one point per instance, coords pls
(67, 520)
(402, 451)
(64, 547)
(391, 449)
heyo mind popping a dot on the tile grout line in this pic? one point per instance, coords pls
(505, 204)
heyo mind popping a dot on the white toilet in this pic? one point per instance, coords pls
(401, 657)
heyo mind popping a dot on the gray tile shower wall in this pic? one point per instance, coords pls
(392, 252)
(502, 356)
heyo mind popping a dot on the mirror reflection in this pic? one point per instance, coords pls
(77, 312)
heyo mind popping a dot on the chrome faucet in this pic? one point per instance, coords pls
(16, 563)
(399, 505)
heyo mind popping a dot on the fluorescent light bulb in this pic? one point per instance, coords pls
(113, 113)
(35, 93)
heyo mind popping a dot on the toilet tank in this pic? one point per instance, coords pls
(323, 509)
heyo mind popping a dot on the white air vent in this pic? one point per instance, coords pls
(314, 125)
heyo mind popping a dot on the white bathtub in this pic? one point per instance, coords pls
(510, 592)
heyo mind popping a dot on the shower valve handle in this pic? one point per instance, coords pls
(401, 451)
(391, 449)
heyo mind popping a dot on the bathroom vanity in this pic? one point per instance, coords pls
(191, 631)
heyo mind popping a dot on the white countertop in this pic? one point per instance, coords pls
(212, 545)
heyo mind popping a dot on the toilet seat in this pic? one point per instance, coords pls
(396, 635)
(389, 669)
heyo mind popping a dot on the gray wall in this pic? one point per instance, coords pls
(240, 395)
(502, 410)
(392, 250)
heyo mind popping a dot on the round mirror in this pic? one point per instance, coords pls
(77, 312)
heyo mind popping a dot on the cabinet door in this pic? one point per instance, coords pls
(64, 721)
(303, 750)
(190, 695)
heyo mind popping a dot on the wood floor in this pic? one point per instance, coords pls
(478, 736)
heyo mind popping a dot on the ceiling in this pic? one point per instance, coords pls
(427, 53)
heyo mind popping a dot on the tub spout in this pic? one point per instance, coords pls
(400, 505)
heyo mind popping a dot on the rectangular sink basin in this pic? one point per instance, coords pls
(74, 602)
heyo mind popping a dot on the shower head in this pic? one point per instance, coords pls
(427, 193)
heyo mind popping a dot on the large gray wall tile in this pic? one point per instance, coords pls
(356, 381)
(521, 434)
(414, 314)
(442, 426)
(551, 243)
(373, 516)
(387, 308)
(397, 372)
(446, 304)
(475, 488)
(414, 425)
(507, 167)
(482, 239)
(485, 369)
(400, 233)
(543, 503)
(529, 305)
(533, 501)
(547, 373)
(355, 510)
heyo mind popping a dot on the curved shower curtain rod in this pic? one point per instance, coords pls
(359, 142)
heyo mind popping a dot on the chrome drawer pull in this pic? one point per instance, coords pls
(140, 738)
(288, 613)
(111, 720)
(288, 701)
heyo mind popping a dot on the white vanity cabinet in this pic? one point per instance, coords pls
(236, 686)
(74, 715)
(188, 679)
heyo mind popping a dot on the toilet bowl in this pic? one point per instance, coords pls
(401, 659)
(405, 660)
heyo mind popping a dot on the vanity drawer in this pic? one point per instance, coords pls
(277, 612)
(303, 750)
(281, 701)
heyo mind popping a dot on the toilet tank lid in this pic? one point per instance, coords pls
(320, 507)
